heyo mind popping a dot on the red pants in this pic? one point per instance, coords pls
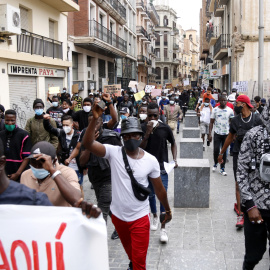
(134, 236)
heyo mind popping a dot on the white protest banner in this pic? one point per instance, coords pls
(148, 88)
(141, 86)
(54, 90)
(47, 237)
(186, 82)
(156, 92)
(241, 86)
(132, 84)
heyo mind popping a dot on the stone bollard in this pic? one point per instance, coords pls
(191, 148)
(192, 183)
(191, 121)
(190, 112)
(191, 132)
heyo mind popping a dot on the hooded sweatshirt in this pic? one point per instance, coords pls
(254, 191)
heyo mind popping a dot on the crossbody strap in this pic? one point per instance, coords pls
(128, 169)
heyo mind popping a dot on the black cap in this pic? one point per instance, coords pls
(263, 101)
(2, 108)
(131, 124)
(124, 110)
(43, 148)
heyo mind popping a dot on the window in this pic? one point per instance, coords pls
(111, 72)
(165, 21)
(24, 18)
(75, 66)
(165, 53)
(165, 39)
(88, 61)
(101, 68)
(51, 29)
(166, 73)
(158, 72)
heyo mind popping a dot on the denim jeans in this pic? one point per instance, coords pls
(80, 176)
(152, 196)
(218, 144)
(178, 124)
(106, 117)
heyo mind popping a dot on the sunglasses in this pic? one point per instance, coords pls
(152, 115)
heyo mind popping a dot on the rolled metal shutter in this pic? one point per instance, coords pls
(52, 82)
(22, 93)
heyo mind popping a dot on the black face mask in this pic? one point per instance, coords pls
(131, 145)
(238, 110)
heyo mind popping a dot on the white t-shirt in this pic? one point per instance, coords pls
(124, 204)
(205, 115)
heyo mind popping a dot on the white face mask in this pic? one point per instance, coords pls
(144, 102)
(143, 116)
(66, 110)
(87, 108)
(67, 129)
(155, 122)
(171, 102)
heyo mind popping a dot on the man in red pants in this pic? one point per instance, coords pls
(130, 204)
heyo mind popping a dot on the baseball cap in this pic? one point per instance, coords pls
(124, 110)
(231, 97)
(263, 101)
(244, 99)
(43, 148)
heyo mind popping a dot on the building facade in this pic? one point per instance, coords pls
(167, 45)
(102, 44)
(33, 52)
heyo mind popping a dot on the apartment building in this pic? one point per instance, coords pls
(167, 45)
(102, 44)
(233, 39)
(33, 51)
(147, 19)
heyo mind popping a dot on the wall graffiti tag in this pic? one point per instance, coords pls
(21, 115)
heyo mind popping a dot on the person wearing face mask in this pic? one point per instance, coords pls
(34, 126)
(67, 108)
(67, 153)
(240, 124)
(77, 102)
(185, 101)
(17, 146)
(204, 114)
(156, 136)
(124, 114)
(2, 117)
(142, 113)
(81, 117)
(56, 111)
(137, 105)
(173, 114)
(129, 207)
(126, 103)
(58, 182)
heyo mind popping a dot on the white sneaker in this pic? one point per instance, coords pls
(163, 236)
(222, 172)
(154, 224)
(214, 168)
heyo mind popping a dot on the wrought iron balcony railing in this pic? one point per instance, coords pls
(35, 44)
(223, 42)
(118, 7)
(104, 34)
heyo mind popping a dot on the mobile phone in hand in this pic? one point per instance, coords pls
(102, 105)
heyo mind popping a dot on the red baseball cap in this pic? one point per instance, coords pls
(244, 99)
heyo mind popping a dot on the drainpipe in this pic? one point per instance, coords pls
(261, 49)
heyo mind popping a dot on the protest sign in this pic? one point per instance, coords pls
(148, 88)
(139, 95)
(113, 89)
(159, 86)
(175, 82)
(141, 86)
(156, 92)
(241, 86)
(75, 88)
(44, 237)
(54, 90)
(169, 86)
(186, 82)
(132, 84)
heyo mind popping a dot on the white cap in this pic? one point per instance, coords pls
(231, 98)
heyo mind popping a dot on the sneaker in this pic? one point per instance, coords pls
(236, 209)
(208, 143)
(203, 148)
(177, 132)
(214, 168)
(154, 225)
(130, 267)
(163, 236)
(240, 221)
(222, 172)
(114, 235)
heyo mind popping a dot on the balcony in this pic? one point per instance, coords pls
(207, 13)
(140, 5)
(153, 14)
(115, 9)
(141, 32)
(103, 41)
(218, 9)
(208, 61)
(144, 60)
(175, 46)
(221, 46)
(35, 44)
(63, 5)
(176, 31)
(212, 35)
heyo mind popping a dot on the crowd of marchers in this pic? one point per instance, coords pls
(122, 144)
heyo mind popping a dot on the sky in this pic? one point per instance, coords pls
(189, 11)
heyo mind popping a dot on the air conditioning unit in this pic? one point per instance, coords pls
(10, 20)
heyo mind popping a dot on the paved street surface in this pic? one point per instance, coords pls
(201, 239)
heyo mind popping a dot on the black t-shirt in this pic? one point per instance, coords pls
(157, 142)
(22, 195)
(56, 114)
(237, 123)
(260, 109)
(82, 118)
